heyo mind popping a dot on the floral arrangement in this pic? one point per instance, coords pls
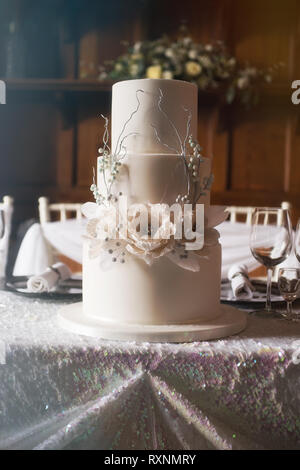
(209, 66)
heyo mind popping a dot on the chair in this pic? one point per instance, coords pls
(6, 208)
(236, 211)
(46, 210)
(62, 209)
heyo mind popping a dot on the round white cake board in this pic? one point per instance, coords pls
(231, 321)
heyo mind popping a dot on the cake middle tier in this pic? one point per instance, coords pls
(148, 178)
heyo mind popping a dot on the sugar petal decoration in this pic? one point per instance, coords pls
(95, 248)
(90, 210)
(151, 251)
(113, 249)
(188, 260)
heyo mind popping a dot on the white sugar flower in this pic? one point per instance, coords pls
(91, 210)
(149, 249)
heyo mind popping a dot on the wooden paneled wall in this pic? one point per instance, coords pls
(49, 134)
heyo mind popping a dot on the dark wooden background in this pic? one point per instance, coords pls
(50, 129)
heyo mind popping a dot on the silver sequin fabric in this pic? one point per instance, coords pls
(64, 391)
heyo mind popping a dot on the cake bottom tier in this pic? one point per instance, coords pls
(163, 293)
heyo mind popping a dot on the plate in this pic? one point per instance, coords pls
(259, 295)
(69, 289)
(230, 321)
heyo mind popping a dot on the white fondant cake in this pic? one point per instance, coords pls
(153, 172)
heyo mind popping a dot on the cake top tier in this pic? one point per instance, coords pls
(153, 116)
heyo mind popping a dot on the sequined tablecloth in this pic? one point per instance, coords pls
(63, 391)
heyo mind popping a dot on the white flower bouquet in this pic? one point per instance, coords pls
(209, 66)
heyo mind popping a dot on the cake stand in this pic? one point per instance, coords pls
(230, 322)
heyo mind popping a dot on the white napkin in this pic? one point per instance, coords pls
(3, 256)
(35, 253)
(49, 278)
(240, 283)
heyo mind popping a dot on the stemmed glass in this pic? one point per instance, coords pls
(270, 244)
(2, 224)
(297, 241)
(289, 287)
(2, 251)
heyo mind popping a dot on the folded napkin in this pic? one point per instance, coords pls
(49, 278)
(240, 283)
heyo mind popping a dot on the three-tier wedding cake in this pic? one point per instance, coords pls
(141, 284)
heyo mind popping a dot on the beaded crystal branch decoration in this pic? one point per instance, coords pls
(109, 162)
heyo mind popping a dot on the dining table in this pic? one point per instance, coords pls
(61, 390)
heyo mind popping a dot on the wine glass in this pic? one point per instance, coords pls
(297, 241)
(2, 249)
(270, 244)
(289, 287)
(2, 224)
